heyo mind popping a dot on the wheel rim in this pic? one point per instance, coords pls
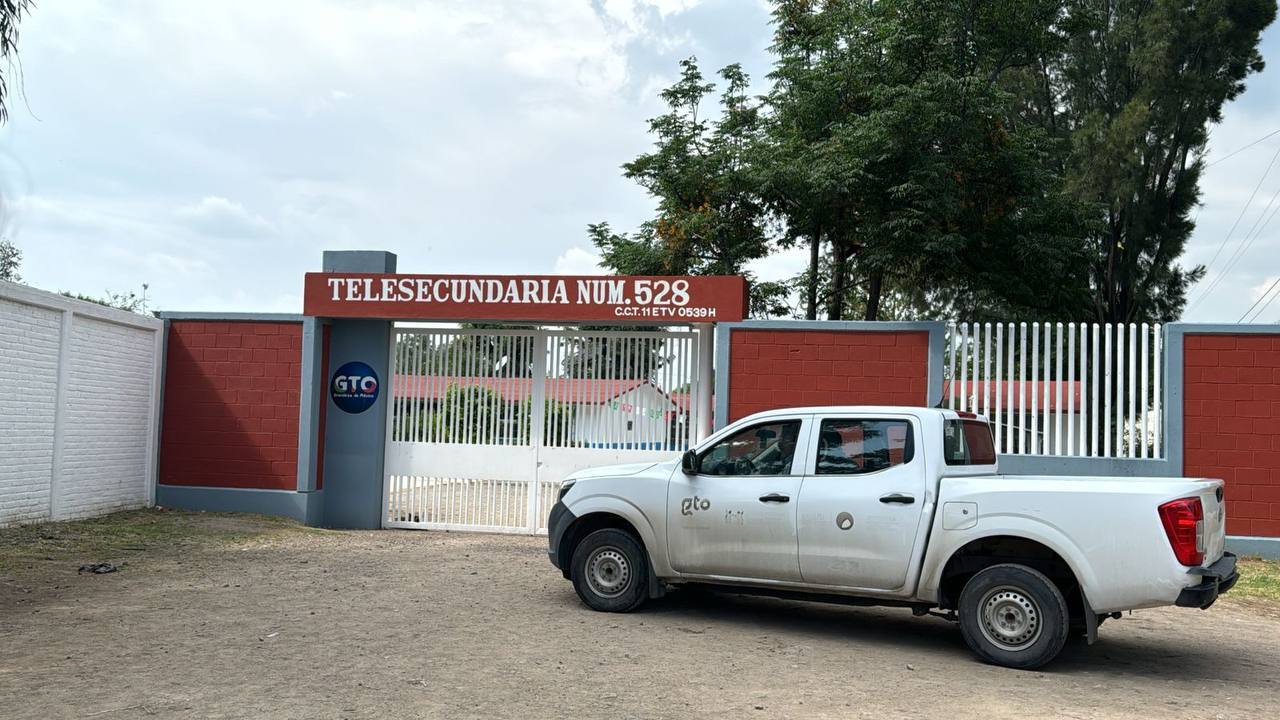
(608, 572)
(1011, 620)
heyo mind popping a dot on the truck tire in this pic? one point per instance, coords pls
(1014, 616)
(610, 571)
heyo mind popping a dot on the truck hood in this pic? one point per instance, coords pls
(616, 470)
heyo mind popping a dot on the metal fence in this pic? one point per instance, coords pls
(1065, 389)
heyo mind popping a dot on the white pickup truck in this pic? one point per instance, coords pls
(893, 506)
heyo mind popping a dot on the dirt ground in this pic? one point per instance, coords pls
(400, 624)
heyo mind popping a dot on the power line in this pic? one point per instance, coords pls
(1232, 154)
(1267, 292)
(1231, 232)
(1246, 242)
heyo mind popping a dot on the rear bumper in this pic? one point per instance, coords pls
(1215, 580)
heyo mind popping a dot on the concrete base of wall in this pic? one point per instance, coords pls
(1076, 466)
(304, 507)
(1256, 546)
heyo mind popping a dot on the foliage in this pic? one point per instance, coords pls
(1133, 86)
(710, 220)
(127, 301)
(11, 12)
(1027, 158)
(10, 261)
(465, 413)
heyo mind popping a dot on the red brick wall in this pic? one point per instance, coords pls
(785, 368)
(231, 396)
(1231, 424)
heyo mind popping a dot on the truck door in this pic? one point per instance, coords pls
(861, 502)
(737, 516)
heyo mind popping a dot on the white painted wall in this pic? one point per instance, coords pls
(79, 407)
(606, 424)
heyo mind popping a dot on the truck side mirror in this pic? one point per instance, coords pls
(689, 463)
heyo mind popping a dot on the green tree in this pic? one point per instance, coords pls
(10, 261)
(1134, 85)
(11, 12)
(710, 219)
(894, 143)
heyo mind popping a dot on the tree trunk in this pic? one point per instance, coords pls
(815, 251)
(874, 288)
(839, 261)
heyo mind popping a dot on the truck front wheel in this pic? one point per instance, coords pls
(1014, 616)
(610, 571)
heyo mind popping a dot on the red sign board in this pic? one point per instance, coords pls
(567, 299)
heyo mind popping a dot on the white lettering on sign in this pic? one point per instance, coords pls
(651, 299)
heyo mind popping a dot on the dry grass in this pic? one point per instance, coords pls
(29, 549)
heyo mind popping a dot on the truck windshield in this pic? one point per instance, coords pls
(968, 442)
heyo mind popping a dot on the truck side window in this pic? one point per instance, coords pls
(854, 447)
(968, 442)
(766, 449)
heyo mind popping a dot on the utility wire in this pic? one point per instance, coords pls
(1270, 287)
(1245, 243)
(1232, 154)
(1273, 284)
(1230, 232)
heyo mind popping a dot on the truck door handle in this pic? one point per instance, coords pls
(775, 498)
(897, 498)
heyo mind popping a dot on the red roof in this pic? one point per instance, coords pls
(1035, 390)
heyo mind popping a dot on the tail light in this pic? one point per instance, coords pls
(1184, 524)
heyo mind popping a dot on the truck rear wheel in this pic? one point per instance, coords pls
(1014, 616)
(611, 571)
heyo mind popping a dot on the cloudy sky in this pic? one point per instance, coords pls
(213, 150)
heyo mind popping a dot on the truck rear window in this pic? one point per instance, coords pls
(968, 442)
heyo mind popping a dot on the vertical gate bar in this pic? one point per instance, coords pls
(999, 389)
(1106, 390)
(1022, 388)
(1071, 388)
(496, 400)
(689, 363)
(1093, 404)
(1046, 442)
(473, 389)
(1083, 430)
(1120, 380)
(952, 334)
(413, 379)
(977, 355)
(1035, 395)
(986, 370)
(1009, 384)
(964, 367)
(428, 413)
(420, 398)
(538, 419)
(449, 399)
(1145, 358)
(1057, 389)
(1132, 383)
(388, 445)
(1157, 362)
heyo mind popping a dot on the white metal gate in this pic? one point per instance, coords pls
(1084, 390)
(483, 425)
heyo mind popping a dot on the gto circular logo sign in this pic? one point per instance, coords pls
(354, 387)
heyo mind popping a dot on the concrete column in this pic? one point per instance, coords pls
(355, 444)
(706, 350)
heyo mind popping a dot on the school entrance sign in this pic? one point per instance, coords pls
(556, 299)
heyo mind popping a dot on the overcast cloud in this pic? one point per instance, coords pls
(214, 150)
